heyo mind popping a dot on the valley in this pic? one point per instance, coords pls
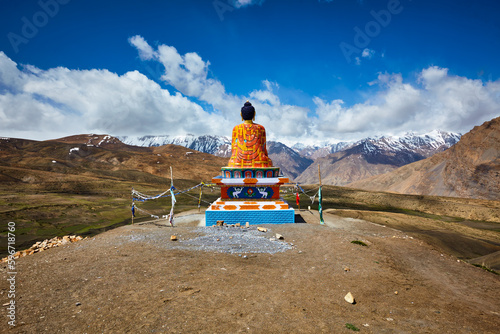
(416, 273)
(88, 191)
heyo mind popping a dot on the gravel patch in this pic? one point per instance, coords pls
(236, 240)
(221, 239)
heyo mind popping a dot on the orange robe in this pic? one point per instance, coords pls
(248, 147)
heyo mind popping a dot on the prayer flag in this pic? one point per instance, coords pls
(173, 195)
(171, 215)
(320, 208)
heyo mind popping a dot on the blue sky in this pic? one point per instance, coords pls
(315, 70)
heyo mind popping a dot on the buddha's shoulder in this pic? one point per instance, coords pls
(256, 126)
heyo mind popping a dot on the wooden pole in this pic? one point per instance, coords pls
(199, 200)
(171, 215)
(320, 206)
(319, 174)
(171, 178)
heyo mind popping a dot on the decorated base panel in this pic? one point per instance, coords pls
(244, 192)
(254, 216)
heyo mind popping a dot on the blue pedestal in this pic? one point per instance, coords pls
(253, 217)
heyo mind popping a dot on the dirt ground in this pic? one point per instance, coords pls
(133, 279)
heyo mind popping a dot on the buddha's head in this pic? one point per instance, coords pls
(248, 112)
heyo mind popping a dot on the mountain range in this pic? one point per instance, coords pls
(217, 145)
(471, 168)
(437, 163)
(374, 156)
(340, 162)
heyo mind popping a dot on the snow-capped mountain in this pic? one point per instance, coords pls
(378, 154)
(373, 156)
(319, 150)
(216, 145)
(471, 168)
(426, 144)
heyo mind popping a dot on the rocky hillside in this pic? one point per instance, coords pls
(290, 162)
(471, 168)
(374, 156)
(98, 155)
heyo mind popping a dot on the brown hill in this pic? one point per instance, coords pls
(82, 184)
(102, 155)
(341, 168)
(470, 168)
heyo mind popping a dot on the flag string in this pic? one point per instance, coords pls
(141, 197)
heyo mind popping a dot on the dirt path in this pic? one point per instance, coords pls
(134, 279)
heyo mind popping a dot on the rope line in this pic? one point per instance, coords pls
(297, 187)
(140, 197)
(147, 213)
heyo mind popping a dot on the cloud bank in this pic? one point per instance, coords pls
(43, 104)
(438, 101)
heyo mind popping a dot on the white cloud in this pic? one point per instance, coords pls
(189, 75)
(145, 50)
(42, 104)
(244, 3)
(438, 101)
(457, 101)
(368, 53)
(267, 95)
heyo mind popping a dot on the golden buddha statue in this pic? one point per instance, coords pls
(248, 142)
